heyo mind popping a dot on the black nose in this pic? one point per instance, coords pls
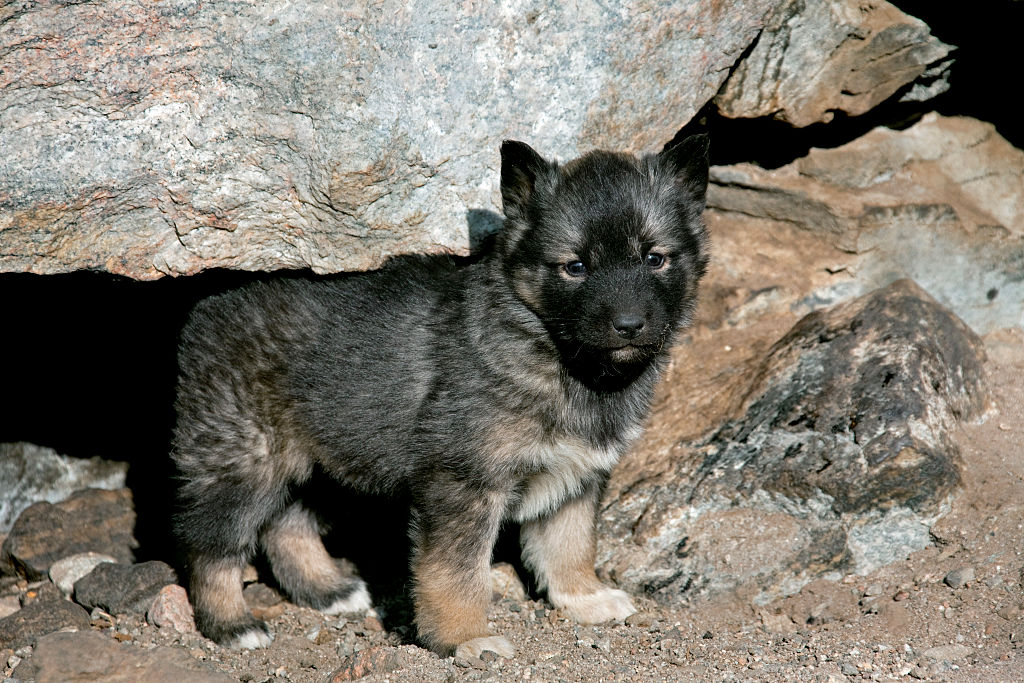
(628, 325)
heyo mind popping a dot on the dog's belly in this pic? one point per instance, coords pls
(563, 471)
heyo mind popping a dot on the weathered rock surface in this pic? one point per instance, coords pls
(65, 572)
(61, 657)
(30, 473)
(150, 139)
(123, 588)
(815, 58)
(93, 520)
(836, 459)
(48, 612)
(941, 203)
(171, 609)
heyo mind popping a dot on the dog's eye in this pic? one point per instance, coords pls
(654, 260)
(575, 268)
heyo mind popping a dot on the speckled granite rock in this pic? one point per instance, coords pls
(148, 138)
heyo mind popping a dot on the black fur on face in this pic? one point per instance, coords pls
(607, 250)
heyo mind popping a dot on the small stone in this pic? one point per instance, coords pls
(489, 657)
(946, 653)
(873, 590)
(902, 595)
(1010, 612)
(123, 588)
(261, 595)
(65, 572)
(849, 669)
(708, 635)
(958, 578)
(372, 624)
(640, 620)
(171, 609)
(9, 605)
(374, 661)
(506, 584)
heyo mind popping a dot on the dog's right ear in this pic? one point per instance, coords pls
(521, 168)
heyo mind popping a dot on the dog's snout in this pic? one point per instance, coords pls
(628, 325)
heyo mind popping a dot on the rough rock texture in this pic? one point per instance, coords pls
(815, 58)
(837, 458)
(65, 572)
(941, 202)
(48, 612)
(30, 473)
(123, 588)
(147, 138)
(61, 657)
(171, 609)
(375, 661)
(91, 520)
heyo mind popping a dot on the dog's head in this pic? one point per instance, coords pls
(606, 250)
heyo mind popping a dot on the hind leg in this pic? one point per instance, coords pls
(304, 569)
(219, 527)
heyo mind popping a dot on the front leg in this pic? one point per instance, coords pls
(559, 549)
(454, 530)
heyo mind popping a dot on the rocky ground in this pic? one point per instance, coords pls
(953, 611)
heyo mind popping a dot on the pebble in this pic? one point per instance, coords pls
(171, 609)
(958, 578)
(65, 572)
(640, 620)
(506, 584)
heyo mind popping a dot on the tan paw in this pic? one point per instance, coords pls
(606, 604)
(497, 644)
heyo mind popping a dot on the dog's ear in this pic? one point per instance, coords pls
(688, 161)
(521, 168)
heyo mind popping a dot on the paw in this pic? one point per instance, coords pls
(356, 601)
(251, 639)
(496, 644)
(606, 604)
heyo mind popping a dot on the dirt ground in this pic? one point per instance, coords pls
(953, 611)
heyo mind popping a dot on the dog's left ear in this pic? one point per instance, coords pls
(521, 168)
(688, 161)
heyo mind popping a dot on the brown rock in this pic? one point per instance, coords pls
(835, 457)
(49, 612)
(816, 58)
(941, 203)
(93, 520)
(61, 657)
(374, 661)
(171, 609)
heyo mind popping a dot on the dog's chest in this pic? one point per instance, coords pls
(559, 470)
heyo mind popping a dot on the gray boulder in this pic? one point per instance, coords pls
(171, 138)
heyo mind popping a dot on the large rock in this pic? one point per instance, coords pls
(84, 657)
(90, 520)
(837, 458)
(941, 203)
(816, 58)
(30, 474)
(162, 138)
(48, 612)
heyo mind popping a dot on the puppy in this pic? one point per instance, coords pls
(500, 391)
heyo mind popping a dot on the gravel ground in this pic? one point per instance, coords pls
(953, 611)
